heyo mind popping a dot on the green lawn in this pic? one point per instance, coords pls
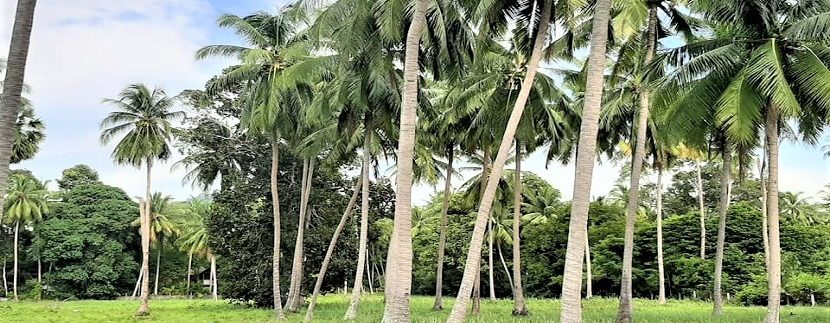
(332, 307)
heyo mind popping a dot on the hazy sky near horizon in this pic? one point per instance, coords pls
(85, 50)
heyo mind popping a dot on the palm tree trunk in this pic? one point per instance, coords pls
(13, 85)
(589, 279)
(485, 172)
(504, 265)
(398, 284)
(16, 242)
(774, 297)
(214, 282)
(723, 208)
(626, 295)
(586, 152)
(330, 251)
(39, 272)
(144, 307)
(158, 264)
(476, 306)
(519, 306)
(351, 312)
(490, 263)
(442, 239)
(189, 269)
(702, 211)
(474, 253)
(5, 282)
(763, 178)
(295, 287)
(275, 201)
(140, 275)
(661, 292)
(369, 272)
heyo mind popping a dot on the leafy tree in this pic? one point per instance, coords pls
(76, 176)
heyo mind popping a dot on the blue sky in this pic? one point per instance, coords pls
(85, 50)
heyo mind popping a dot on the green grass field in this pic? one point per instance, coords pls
(332, 307)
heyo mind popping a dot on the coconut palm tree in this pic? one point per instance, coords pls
(275, 42)
(25, 205)
(195, 240)
(586, 149)
(10, 99)
(764, 65)
(144, 118)
(30, 134)
(162, 225)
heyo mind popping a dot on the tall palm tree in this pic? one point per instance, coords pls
(195, 240)
(30, 134)
(696, 156)
(723, 208)
(764, 65)
(162, 226)
(143, 116)
(275, 42)
(10, 99)
(586, 150)
(24, 205)
(398, 284)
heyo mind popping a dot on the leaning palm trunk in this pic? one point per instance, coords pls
(586, 150)
(140, 272)
(774, 297)
(398, 284)
(490, 264)
(14, 277)
(189, 270)
(661, 292)
(442, 239)
(330, 251)
(158, 266)
(626, 295)
(13, 85)
(702, 211)
(519, 306)
(351, 312)
(589, 279)
(459, 310)
(293, 302)
(504, 265)
(722, 209)
(275, 200)
(144, 307)
(214, 282)
(485, 171)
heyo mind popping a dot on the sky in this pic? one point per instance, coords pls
(83, 51)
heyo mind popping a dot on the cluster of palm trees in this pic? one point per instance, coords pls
(430, 81)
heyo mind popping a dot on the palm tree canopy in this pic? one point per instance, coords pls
(194, 238)
(143, 116)
(162, 222)
(25, 201)
(30, 134)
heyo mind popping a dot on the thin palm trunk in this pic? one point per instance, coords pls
(275, 200)
(702, 211)
(5, 282)
(293, 302)
(189, 269)
(519, 306)
(140, 271)
(158, 266)
(330, 251)
(490, 264)
(589, 279)
(586, 152)
(351, 312)
(459, 310)
(398, 284)
(626, 295)
(144, 307)
(442, 239)
(722, 209)
(504, 265)
(763, 177)
(14, 275)
(661, 291)
(485, 171)
(214, 282)
(774, 297)
(369, 272)
(13, 85)
(39, 271)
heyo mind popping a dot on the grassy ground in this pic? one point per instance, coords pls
(332, 307)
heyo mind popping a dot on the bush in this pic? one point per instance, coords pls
(754, 293)
(802, 286)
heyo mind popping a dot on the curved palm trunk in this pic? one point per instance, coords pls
(589, 279)
(519, 306)
(144, 307)
(351, 312)
(723, 208)
(214, 283)
(474, 253)
(504, 265)
(330, 251)
(774, 297)
(398, 284)
(586, 152)
(158, 265)
(442, 239)
(275, 200)
(294, 300)
(13, 84)
(626, 295)
(661, 292)
(5, 282)
(16, 243)
(189, 270)
(702, 211)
